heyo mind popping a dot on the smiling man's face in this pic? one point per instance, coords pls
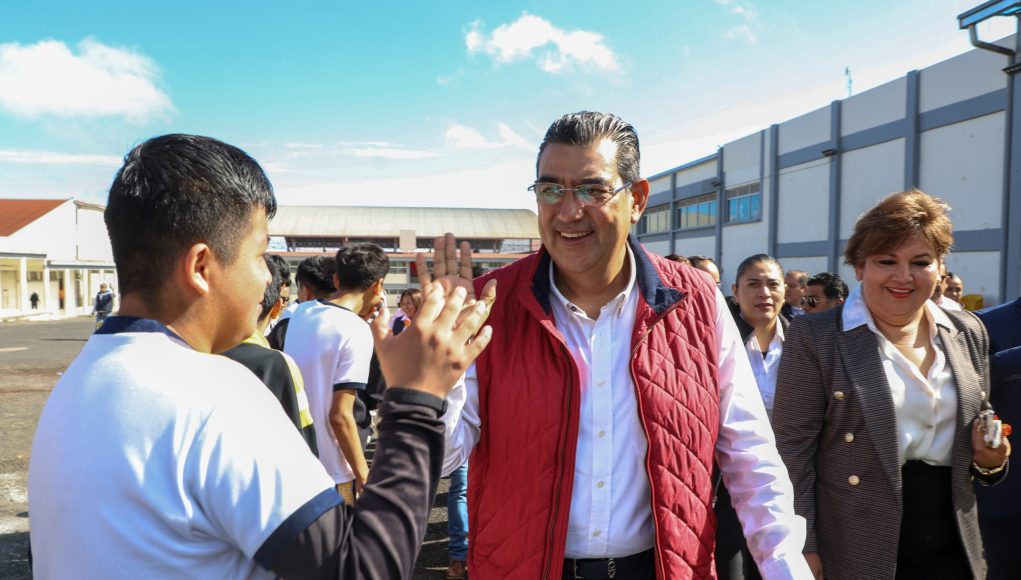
(587, 241)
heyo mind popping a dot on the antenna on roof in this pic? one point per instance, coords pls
(847, 73)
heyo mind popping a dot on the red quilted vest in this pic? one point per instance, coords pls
(522, 470)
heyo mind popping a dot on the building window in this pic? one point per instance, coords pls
(697, 212)
(744, 203)
(655, 220)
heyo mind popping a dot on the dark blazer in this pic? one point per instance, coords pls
(1004, 325)
(836, 430)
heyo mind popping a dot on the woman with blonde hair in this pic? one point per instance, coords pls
(876, 410)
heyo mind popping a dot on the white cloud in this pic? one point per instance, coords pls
(744, 32)
(553, 49)
(32, 157)
(460, 136)
(48, 78)
(749, 17)
(389, 153)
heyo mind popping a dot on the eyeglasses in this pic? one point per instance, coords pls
(588, 194)
(812, 301)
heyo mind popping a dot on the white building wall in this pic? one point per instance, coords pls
(808, 129)
(804, 203)
(701, 246)
(812, 265)
(980, 272)
(741, 160)
(883, 104)
(739, 242)
(967, 75)
(696, 173)
(963, 164)
(661, 247)
(868, 175)
(93, 240)
(659, 185)
(52, 234)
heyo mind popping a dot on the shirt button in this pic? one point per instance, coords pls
(849, 437)
(853, 480)
(930, 427)
(838, 395)
(596, 533)
(601, 434)
(601, 382)
(600, 484)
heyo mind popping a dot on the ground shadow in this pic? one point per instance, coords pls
(14, 556)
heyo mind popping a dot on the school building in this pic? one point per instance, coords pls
(795, 189)
(56, 250)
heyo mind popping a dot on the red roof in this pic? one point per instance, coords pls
(18, 213)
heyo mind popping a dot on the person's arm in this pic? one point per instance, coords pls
(462, 424)
(342, 421)
(380, 537)
(798, 423)
(753, 472)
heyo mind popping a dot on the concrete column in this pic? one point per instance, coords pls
(68, 291)
(23, 285)
(46, 288)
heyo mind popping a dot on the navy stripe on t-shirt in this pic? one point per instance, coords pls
(294, 525)
(349, 386)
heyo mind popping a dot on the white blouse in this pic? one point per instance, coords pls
(926, 406)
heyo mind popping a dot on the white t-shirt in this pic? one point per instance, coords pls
(151, 460)
(333, 349)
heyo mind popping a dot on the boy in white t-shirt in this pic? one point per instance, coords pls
(332, 344)
(155, 459)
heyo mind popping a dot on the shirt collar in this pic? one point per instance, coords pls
(122, 324)
(856, 313)
(621, 298)
(778, 337)
(257, 338)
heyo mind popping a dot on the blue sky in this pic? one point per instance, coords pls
(436, 103)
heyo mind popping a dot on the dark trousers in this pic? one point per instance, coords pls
(1002, 541)
(733, 560)
(930, 543)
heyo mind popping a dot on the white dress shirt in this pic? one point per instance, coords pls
(764, 367)
(611, 506)
(925, 405)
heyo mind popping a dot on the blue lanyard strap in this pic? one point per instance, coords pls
(119, 324)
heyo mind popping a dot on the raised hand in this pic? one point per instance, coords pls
(433, 352)
(452, 270)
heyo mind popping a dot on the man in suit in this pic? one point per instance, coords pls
(1000, 507)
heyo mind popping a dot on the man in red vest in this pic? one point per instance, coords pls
(613, 380)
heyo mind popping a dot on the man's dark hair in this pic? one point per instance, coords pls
(285, 269)
(588, 128)
(272, 293)
(175, 191)
(698, 259)
(360, 265)
(832, 286)
(316, 274)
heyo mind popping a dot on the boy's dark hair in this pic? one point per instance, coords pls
(833, 286)
(175, 191)
(272, 293)
(360, 265)
(285, 269)
(316, 274)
